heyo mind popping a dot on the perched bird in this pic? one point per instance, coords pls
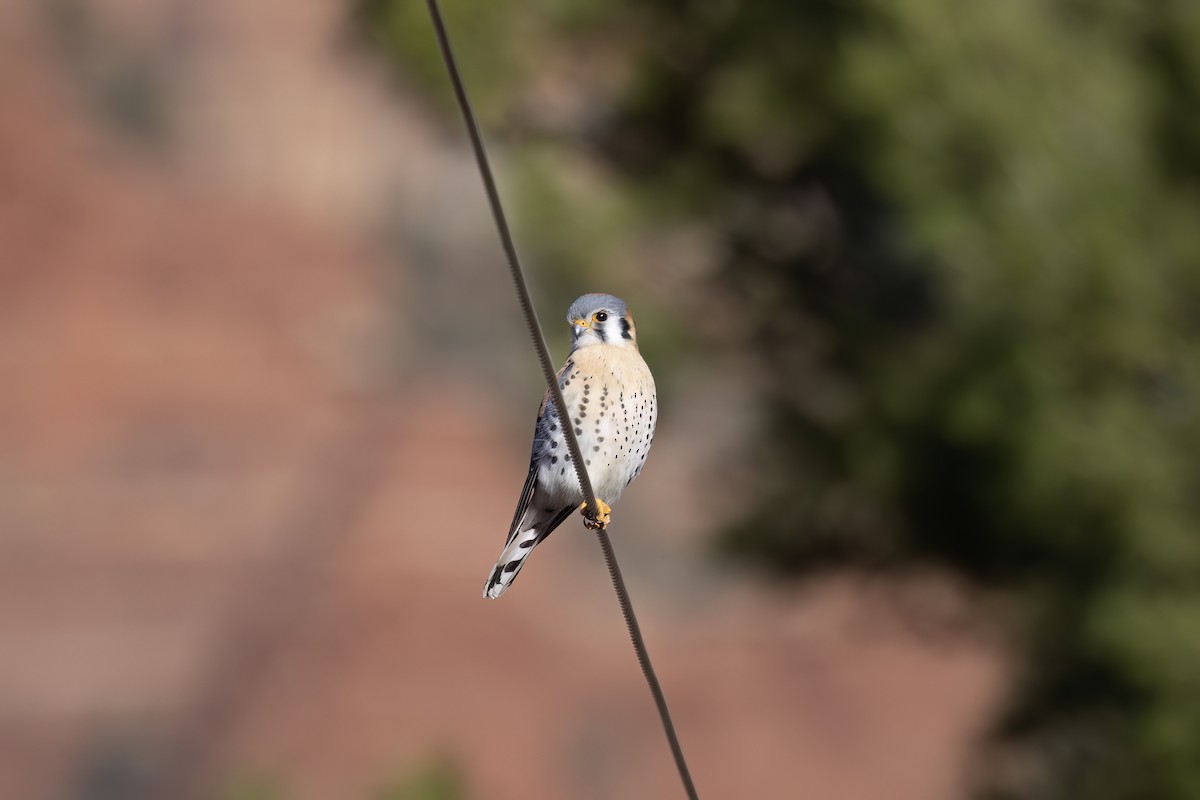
(609, 394)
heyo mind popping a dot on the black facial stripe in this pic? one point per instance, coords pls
(625, 334)
(599, 329)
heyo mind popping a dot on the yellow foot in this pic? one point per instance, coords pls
(593, 521)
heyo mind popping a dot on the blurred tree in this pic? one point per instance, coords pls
(960, 241)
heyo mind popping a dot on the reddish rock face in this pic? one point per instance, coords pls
(232, 538)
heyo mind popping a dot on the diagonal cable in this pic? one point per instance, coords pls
(543, 354)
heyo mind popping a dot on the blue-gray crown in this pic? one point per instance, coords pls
(589, 304)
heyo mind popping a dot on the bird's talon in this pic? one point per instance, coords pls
(596, 521)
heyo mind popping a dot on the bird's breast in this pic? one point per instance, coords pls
(612, 408)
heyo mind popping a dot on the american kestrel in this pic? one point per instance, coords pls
(609, 393)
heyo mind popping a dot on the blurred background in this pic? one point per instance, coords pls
(920, 284)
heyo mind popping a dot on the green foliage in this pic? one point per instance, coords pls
(962, 243)
(253, 787)
(439, 781)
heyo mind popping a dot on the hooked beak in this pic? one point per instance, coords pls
(580, 324)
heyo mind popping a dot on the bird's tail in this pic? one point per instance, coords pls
(520, 544)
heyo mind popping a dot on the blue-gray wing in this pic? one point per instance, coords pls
(532, 521)
(543, 433)
(546, 429)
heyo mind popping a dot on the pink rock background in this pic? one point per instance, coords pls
(247, 502)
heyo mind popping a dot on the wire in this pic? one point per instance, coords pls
(543, 354)
(510, 251)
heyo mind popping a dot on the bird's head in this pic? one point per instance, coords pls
(601, 319)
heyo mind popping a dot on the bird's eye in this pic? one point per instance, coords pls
(601, 316)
